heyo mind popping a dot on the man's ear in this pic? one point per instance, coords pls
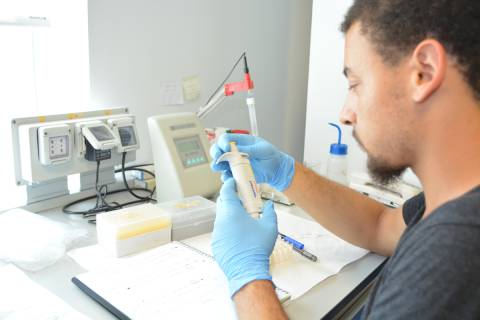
(429, 65)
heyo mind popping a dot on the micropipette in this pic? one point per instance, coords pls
(247, 187)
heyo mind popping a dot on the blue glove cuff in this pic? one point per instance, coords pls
(288, 168)
(236, 284)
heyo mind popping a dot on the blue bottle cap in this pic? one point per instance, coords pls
(338, 148)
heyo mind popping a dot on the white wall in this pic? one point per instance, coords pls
(43, 70)
(136, 45)
(327, 87)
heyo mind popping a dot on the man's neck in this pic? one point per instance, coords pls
(449, 164)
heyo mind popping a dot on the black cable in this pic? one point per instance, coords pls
(101, 192)
(128, 187)
(136, 169)
(245, 64)
(228, 76)
(139, 166)
(97, 210)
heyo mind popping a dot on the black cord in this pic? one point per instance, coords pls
(93, 211)
(136, 169)
(227, 77)
(101, 192)
(245, 64)
(138, 166)
(128, 187)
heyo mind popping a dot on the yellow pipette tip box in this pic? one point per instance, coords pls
(133, 229)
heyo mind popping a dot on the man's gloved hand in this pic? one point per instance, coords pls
(242, 245)
(268, 163)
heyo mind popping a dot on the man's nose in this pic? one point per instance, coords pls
(348, 116)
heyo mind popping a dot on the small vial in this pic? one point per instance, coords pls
(247, 187)
(252, 113)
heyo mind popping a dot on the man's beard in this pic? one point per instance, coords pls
(383, 173)
(380, 171)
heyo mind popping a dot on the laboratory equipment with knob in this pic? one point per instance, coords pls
(181, 157)
(181, 148)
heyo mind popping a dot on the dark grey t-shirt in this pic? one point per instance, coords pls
(435, 270)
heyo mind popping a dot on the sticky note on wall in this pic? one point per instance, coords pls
(191, 88)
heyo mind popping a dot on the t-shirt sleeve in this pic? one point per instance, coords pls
(437, 280)
(411, 207)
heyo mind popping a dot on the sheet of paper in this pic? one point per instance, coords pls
(95, 257)
(191, 88)
(202, 242)
(171, 93)
(21, 298)
(300, 274)
(169, 282)
(92, 257)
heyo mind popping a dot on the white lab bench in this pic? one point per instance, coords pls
(326, 299)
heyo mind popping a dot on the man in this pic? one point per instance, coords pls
(413, 69)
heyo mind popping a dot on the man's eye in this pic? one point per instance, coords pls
(352, 86)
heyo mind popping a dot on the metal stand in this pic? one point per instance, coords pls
(46, 190)
(105, 176)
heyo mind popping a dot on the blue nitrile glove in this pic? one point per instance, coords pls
(242, 245)
(268, 163)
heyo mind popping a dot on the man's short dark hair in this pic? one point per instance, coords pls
(396, 27)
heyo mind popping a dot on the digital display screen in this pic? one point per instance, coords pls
(191, 151)
(188, 146)
(127, 136)
(101, 133)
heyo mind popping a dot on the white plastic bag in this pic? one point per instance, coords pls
(33, 242)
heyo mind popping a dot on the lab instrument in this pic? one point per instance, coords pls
(394, 195)
(228, 89)
(247, 187)
(47, 149)
(100, 136)
(181, 158)
(55, 144)
(31, 136)
(126, 132)
(99, 141)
